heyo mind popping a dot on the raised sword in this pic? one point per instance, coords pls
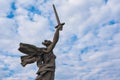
(57, 18)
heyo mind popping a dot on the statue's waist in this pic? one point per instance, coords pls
(46, 67)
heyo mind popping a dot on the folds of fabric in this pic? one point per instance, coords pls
(27, 60)
(32, 52)
(28, 49)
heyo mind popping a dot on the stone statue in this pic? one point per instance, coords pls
(44, 56)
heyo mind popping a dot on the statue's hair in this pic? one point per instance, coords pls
(49, 41)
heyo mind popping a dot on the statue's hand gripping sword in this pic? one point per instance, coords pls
(57, 18)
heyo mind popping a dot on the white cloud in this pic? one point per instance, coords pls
(5, 7)
(89, 43)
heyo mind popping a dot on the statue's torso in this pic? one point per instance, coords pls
(47, 61)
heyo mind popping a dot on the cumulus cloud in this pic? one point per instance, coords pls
(88, 48)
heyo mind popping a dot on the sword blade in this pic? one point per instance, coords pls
(56, 15)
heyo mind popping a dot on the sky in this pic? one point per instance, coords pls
(89, 45)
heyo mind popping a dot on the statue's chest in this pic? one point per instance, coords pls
(48, 57)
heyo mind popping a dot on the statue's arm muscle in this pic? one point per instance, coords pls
(55, 40)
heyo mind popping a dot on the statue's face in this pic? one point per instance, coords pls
(46, 42)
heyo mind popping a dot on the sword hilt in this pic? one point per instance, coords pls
(60, 25)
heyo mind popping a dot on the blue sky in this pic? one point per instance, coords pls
(89, 44)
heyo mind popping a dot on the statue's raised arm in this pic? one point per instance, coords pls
(55, 40)
(56, 35)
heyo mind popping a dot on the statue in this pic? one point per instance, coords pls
(44, 56)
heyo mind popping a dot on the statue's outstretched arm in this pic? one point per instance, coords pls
(55, 40)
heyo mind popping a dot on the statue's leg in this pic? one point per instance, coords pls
(48, 76)
(40, 75)
(52, 75)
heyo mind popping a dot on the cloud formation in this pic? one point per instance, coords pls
(88, 48)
